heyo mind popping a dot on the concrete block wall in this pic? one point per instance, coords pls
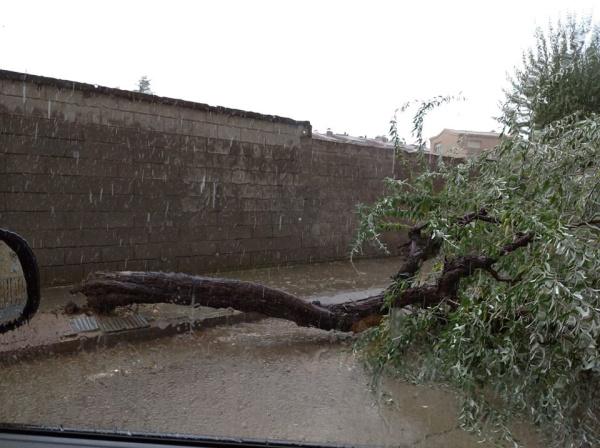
(104, 179)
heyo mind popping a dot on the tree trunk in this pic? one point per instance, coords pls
(107, 290)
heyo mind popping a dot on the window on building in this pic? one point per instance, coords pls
(475, 144)
(438, 148)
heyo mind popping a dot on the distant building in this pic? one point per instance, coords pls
(469, 143)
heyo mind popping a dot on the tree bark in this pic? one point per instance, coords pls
(422, 247)
(107, 290)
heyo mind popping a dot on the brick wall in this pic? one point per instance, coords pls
(103, 179)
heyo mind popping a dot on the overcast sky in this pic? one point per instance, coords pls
(343, 65)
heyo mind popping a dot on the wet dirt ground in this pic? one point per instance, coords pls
(267, 379)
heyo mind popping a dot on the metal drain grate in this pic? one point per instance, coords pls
(148, 315)
(111, 324)
(82, 324)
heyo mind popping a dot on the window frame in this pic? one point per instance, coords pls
(470, 146)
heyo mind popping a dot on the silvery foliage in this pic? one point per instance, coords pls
(530, 347)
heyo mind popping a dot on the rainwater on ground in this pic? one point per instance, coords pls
(267, 379)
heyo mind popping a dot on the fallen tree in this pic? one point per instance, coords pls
(107, 290)
(510, 297)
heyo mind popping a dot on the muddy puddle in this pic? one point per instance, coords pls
(268, 379)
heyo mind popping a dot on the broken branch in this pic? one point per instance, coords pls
(107, 290)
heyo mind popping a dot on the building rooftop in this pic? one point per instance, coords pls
(466, 132)
(379, 141)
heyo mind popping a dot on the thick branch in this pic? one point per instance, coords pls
(108, 290)
(454, 270)
(422, 247)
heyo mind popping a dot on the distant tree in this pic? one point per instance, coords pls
(560, 76)
(144, 85)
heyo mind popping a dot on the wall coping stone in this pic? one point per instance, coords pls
(137, 96)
